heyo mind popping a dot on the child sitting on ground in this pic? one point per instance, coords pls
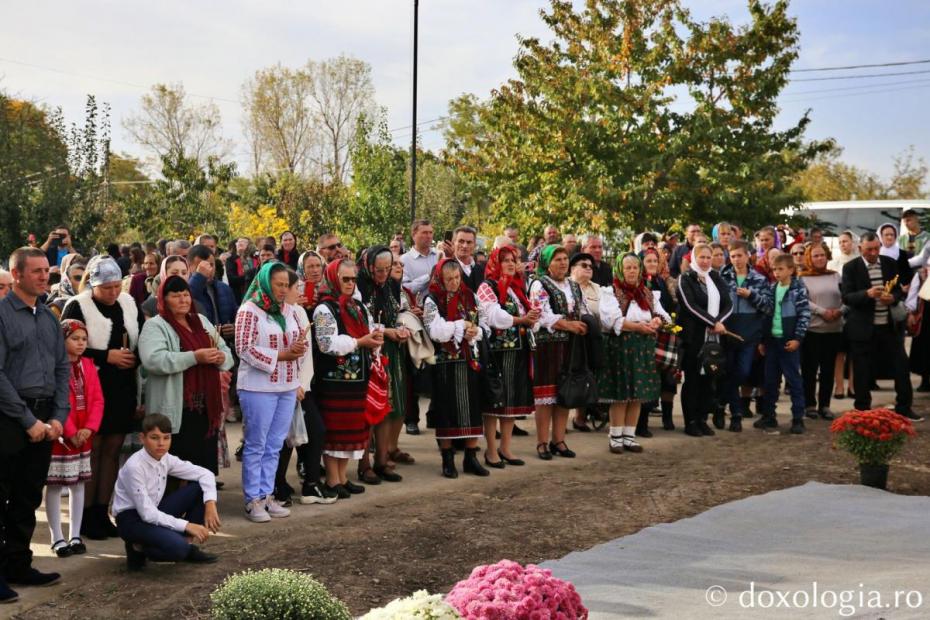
(151, 524)
(70, 465)
(790, 319)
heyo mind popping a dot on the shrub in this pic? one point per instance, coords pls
(275, 593)
(421, 604)
(507, 591)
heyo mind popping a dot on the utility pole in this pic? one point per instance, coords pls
(413, 140)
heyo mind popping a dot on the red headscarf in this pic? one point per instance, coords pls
(452, 306)
(199, 378)
(353, 316)
(635, 292)
(492, 271)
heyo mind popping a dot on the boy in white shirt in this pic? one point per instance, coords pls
(151, 524)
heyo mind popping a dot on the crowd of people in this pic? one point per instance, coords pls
(154, 348)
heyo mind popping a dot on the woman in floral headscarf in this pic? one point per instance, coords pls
(561, 305)
(631, 377)
(343, 339)
(113, 325)
(511, 318)
(270, 345)
(450, 316)
(374, 270)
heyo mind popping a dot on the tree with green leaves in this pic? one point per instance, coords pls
(636, 115)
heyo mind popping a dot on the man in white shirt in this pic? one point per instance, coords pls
(421, 259)
(464, 240)
(151, 524)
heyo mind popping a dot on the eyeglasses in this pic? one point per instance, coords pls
(332, 247)
(347, 279)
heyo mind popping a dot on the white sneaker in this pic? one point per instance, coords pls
(274, 509)
(255, 511)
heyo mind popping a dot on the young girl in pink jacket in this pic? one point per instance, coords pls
(70, 464)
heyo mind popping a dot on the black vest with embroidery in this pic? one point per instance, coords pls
(506, 339)
(559, 305)
(350, 368)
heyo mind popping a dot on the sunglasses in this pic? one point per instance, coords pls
(797, 253)
(347, 279)
(332, 247)
(584, 265)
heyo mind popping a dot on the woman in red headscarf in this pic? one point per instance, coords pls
(344, 341)
(450, 316)
(510, 317)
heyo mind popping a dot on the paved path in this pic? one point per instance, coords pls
(850, 540)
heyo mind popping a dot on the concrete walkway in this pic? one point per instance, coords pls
(841, 546)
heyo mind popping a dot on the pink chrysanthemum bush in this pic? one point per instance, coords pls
(508, 591)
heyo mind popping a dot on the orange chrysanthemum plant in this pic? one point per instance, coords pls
(873, 437)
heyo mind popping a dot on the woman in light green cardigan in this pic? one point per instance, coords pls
(183, 354)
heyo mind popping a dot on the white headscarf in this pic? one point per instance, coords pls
(713, 295)
(891, 252)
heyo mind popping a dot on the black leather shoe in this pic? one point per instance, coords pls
(544, 454)
(197, 556)
(386, 474)
(581, 428)
(706, 430)
(514, 462)
(561, 449)
(496, 465)
(643, 432)
(77, 546)
(340, 491)
(719, 420)
(519, 432)
(135, 560)
(353, 488)
(693, 430)
(471, 465)
(797, 427)
(736, 425)
(448, 463)
(7, 594)
(33, 578)
(412, 429)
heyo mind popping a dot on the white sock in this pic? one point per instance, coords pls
(53, 511)
(629, 431)
(616, 433)
(76, 508)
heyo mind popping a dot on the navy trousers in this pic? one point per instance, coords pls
(160, 543)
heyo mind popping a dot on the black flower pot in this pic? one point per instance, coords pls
(875, 476)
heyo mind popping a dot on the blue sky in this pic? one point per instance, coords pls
(117, 49)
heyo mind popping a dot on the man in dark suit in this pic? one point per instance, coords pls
(873, 335)
(464, 239)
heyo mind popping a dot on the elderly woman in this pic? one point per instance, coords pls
(374, 270)
(142, 284)
(561, 305)
(287, 253)
(630, 377)
(344, 339)
(825, 334)
(704, 304)
(888, 234)
(270, 344)
(656, 271)
(510, 317)
(72, 271)
(581, 266)
(450, 316)
(183, 354)
(113, 323)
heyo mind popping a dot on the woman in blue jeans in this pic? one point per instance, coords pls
(271, 347)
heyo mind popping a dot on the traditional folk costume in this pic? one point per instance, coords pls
(501, 299)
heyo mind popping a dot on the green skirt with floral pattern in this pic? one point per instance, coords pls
(630, 372)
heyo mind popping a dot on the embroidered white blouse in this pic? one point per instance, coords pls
(491, 310)
(259, 340)
(635, 314)
(547, 318)
(441, 330)
(326, 332)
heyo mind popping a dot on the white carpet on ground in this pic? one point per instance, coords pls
(813, 551)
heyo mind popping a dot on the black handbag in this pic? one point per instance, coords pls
(492, 380)
(713, 359)
(577, 385)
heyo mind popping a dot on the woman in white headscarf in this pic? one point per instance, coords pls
(113, 325)
(888, 235)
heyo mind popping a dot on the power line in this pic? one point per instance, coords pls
(878, 91)
(861, 76)
(103, 79)
(853, 88)
(883, 64)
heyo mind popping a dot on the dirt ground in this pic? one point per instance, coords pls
(428, 532)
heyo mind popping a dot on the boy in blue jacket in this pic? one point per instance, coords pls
(791, 317)
(752, 305)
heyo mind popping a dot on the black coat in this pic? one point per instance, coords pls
(692, 306)
(476, 277)
(861, 316)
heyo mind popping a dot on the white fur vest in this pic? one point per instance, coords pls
(100, 327)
